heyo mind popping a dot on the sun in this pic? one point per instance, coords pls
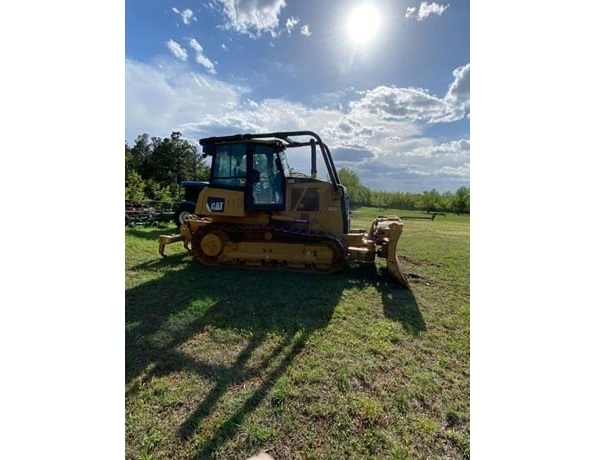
(363, 23)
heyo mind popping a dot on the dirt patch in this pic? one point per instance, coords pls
(418, 262)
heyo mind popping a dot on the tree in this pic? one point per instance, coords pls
(162, 164)
(134, 187)
(461, 202)
(171, 160)
(137, 156)
(431, 200)
(359, 195)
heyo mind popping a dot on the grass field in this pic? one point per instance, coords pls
(223, 363)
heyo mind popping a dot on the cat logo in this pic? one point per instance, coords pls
(215, 204)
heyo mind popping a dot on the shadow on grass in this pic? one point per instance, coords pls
(398, 302)
(164, 313)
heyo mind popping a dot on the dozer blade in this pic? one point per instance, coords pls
(393, 263)
(168, 239)
(183, 236)
(394, 268)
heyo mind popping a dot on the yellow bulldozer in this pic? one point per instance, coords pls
(257, 211)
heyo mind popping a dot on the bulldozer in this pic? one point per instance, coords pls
(257, 211)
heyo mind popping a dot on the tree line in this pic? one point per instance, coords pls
(431, 200)
(155, 167)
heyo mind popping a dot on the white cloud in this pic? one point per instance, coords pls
(252, 17)
(187, 15)
(381, 134)
(352, 132)
(270, 115)
(305, 30)
(408, 104)
(177, 50)
(291, 24)
(459, 91)
(454, 154)
(425, 10)
(164, 97)
(200, 57)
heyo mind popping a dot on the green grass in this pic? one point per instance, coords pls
(223, 363)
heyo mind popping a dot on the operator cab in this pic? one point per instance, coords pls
(253, 167)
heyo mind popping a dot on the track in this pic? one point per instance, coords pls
(268, 246)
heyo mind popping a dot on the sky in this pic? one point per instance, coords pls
(384, 83)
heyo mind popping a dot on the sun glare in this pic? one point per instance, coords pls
(363, 23)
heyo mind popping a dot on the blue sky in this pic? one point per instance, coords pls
(386, 84)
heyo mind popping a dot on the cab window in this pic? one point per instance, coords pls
(229, 166)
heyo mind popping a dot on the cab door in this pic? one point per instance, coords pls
(265, 184)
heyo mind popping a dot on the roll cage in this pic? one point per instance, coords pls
(285, 140)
